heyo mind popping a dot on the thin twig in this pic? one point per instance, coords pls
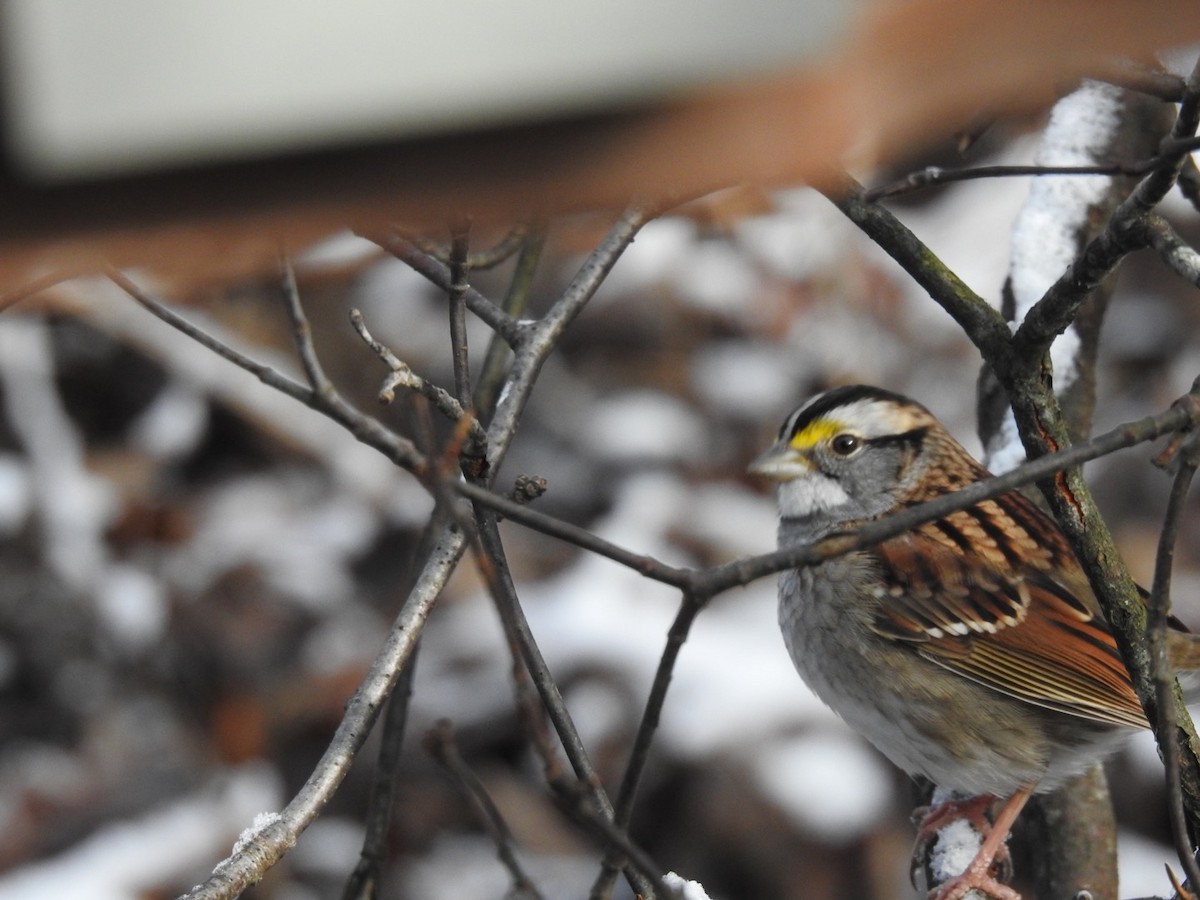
(366, 429)
(301, 331)
(476, 259)
(494, 568)
(980, 321)
(255, 855)
(932, 176)
(459, 353)
(441, 744)
(577, 804)
(1189, 182)
(1178, 256)
(1170, 700)
(639, 753)
(576, 536)
(402, 376)
(439, 274)
(515, 299)
(1183, 414)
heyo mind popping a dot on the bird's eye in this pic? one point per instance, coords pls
(845, 444)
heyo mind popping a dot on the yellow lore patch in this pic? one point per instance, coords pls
(815, 432)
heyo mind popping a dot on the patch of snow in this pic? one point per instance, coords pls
(806, 239)
(74, 506)
(1005, 451)
(173, 424)
(1141, 865)
(262, 821)
(956, 846)
(660, 251)
(341, 249)
(132, 605)
(644, 425)
(16, 493)
(138, 856)
(752, 380)
(688, 890)
(717, 277)
(301, 535)
(1046, 235)
(828, 782)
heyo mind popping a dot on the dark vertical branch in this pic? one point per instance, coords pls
(494, 567)
(459, 233)
(1074, 828)
(639, 753)
(1170, 700)
(363, 883)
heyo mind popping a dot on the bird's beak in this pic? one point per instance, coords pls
(781, 462)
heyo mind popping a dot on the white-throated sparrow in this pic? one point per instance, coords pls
(970, 650)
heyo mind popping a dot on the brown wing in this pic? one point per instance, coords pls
(1000, 618)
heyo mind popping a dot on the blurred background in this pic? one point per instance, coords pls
(195, 572)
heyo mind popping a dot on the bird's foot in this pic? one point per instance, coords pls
(930, 820)
(991, 862)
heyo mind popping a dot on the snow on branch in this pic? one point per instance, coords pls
(1052, 228)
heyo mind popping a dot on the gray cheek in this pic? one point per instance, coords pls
(870, 480)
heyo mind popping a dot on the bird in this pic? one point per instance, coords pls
(970, 650)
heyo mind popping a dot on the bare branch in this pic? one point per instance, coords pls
(576, 536)
(932, 176)
(515, 299)
(982, 323)
(255, 855)
(437, 272)
(1180, 258)
(494, 567)
(1189, 182)
(648, 873)
(366, 429)
(536, 346)
(302, 332)
(402, 376)
(639, 753)
(459, 355)
(476, 259)
(1186, 453)
(935, 176)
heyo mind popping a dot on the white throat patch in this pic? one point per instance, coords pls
(809, 494)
